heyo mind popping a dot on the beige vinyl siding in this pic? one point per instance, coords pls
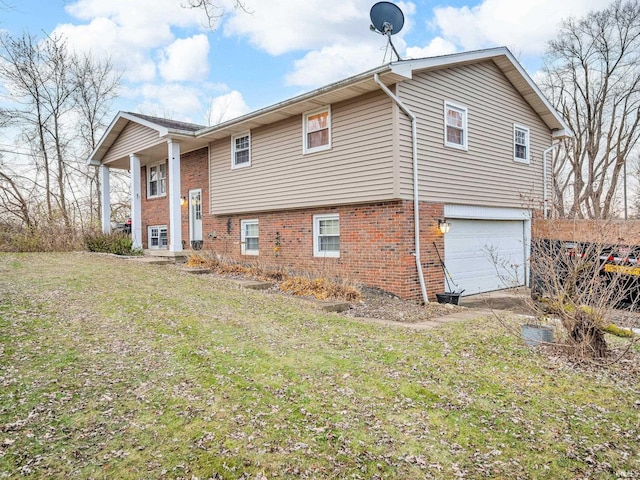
(359, 167)
(486, 173)
(133, 139)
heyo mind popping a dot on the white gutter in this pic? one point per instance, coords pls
(545, 207)
(416, 199)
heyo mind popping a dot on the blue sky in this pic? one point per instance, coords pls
(173, 66)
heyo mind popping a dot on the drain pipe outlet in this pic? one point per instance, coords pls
(416, 199)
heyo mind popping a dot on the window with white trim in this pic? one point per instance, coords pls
(157, 237)
(241, 150)
(157, 180)
(249, 240)
(455, 126)
(326, 235)
(317, 130)
(520, 144)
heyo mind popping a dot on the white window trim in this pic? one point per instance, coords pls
(528, 144)
(316, 233)
(149, 167)
(159, 247)
(305, 117)
(243, 248)
(234, 165)
(465, 126)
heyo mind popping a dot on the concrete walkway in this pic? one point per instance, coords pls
(433, 322)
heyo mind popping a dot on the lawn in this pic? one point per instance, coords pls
(110, 368)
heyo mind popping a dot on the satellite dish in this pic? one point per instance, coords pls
(387, 19)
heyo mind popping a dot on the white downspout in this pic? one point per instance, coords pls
(545, 207)
(416, 199)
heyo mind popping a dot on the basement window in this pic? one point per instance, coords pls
(326, 235)
(157, 237)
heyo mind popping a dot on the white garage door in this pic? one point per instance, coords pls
(485, 255)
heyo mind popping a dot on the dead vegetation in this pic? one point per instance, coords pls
(582, 286)
(322, 285)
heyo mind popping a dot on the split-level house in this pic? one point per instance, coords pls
(358, 178)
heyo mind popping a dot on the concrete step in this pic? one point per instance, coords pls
(254, 284)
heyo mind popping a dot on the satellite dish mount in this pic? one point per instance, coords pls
(387, 19)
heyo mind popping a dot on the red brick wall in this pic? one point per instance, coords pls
(155, 211)
(376, 240)
(376, 244)
(193, 174)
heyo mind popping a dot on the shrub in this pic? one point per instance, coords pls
(116, 243)
(46, 237)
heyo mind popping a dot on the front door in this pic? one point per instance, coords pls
(195, 218)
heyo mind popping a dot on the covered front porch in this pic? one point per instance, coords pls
(150, 149)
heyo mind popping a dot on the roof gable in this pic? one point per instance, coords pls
(339, 91)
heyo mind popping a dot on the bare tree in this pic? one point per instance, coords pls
(214, 10)
(13, 199)
(592, 76)
(61, 103)
(39, 77)
(96, 86)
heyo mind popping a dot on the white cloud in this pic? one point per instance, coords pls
(320, 67)
(227, 107)
(129, 32)
(437, 46)
(280, 26)
(524, 27)
(103, 38)
(186, 59)
(142, 15)
(171, 100)
(334, 33)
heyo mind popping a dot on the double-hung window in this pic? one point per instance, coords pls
(317, 130)
(326, 235)
(455, 126)
(520, 144)
(241, 150)
(157, 180)
(249, 240)
(157, 237)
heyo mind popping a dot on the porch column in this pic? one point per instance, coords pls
(136, 202)
(105, 199)
(175, 220)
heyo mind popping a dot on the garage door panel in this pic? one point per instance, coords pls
(485, 255)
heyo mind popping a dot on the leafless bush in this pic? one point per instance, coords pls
(583, 285)
(53, 236)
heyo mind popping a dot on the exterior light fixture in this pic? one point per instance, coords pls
(183, 201)
(444, 226)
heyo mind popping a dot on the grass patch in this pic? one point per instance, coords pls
(110, 368)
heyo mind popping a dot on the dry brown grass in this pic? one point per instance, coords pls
(320, 288)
